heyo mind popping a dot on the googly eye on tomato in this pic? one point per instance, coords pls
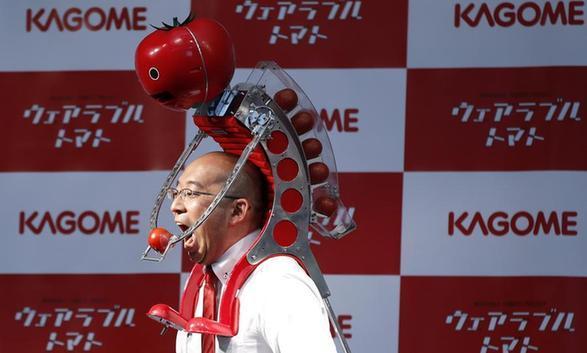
(153, 73)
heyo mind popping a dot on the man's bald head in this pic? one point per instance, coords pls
(250, 183)
(235, 216)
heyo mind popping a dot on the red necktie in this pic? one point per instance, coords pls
(208, 341)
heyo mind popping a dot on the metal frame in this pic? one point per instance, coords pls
(261, 115)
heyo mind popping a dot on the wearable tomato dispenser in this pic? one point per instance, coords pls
(267, 120)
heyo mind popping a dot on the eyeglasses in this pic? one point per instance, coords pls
(188, 194)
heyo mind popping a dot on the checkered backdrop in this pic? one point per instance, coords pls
(459, 132)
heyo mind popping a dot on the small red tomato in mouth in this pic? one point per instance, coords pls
(158, 239)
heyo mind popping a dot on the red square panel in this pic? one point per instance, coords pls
(374, 247)
(496, 119)
(102, 313)
(492, 314)
(310, 34)
(85, 121)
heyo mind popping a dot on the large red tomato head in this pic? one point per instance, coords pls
(186, 64)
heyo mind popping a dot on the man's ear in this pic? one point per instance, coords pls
(240, 210)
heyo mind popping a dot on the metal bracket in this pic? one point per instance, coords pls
(332, 315)
(261, 130)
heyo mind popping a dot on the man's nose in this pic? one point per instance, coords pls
(177, 205)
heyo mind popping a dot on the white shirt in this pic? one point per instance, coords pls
(281, 310)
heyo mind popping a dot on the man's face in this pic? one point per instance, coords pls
(209, 241)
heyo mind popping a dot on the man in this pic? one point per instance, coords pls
(281, 310)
